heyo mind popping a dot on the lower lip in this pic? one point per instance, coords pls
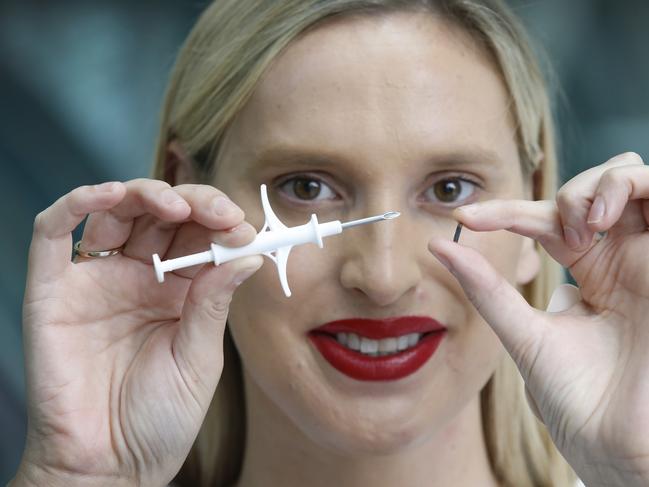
(366, 368)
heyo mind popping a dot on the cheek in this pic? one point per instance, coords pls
(269, 328)
(475, 350)
(473, 355)
(270, 333)
(501, 248)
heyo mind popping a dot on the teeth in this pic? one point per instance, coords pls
(413, 338)
(388, 345)
(369, 346)
(378, 348)
(353, 341)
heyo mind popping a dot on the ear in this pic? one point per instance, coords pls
(178, 164)
(529, 262)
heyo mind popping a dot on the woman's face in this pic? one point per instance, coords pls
(358, 117)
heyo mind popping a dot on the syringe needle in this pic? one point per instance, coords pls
(385, 216)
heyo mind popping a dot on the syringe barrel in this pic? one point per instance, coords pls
(271, 241)
(330, 228)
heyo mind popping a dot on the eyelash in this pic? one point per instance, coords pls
(307, 177)
(464, 180)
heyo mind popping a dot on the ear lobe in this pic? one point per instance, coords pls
(178, 165)
(529, 263)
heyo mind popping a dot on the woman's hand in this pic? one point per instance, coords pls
(121, 369)
(586, 368)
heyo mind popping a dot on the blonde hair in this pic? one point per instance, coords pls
(229, 49)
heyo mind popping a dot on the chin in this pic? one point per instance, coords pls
(376, 441)
(365, 429)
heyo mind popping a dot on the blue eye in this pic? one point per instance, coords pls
(452, 190)
(307, 189)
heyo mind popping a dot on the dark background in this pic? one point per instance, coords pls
(81, 84)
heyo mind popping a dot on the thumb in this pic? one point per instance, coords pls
(516, 323)
(198, 345)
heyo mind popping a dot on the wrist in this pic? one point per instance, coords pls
(32, 475)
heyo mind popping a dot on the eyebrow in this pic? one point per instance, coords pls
(281, 156)
(284, 156)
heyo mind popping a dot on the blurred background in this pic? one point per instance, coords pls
(81, 84)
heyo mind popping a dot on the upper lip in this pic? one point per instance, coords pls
(383, 328)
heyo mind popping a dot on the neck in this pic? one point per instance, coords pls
(278, 453)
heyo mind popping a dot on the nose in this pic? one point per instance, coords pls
(381, 260)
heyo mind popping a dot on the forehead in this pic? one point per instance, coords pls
(399, 82)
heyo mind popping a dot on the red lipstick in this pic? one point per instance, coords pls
(364, 367)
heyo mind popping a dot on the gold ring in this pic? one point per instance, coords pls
(93, 254)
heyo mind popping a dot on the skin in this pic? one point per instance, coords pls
(120, 370)
(381, 125)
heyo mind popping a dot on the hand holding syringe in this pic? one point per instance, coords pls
(275, 241)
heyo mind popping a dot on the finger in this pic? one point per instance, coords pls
(538, 220)
(616, 188)
(534, 219)
(514, 321)
(198, 346)
(192, 238)
(51, 245)
(575, 199)
(112, 228)
(210, 208)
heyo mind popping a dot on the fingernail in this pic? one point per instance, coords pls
(107, 187)
(170, 197)
(571, 237)
(242, 227)
(223, 206)
(249, 265)
(597, 210)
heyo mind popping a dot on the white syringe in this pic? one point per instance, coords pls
(275, 241)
